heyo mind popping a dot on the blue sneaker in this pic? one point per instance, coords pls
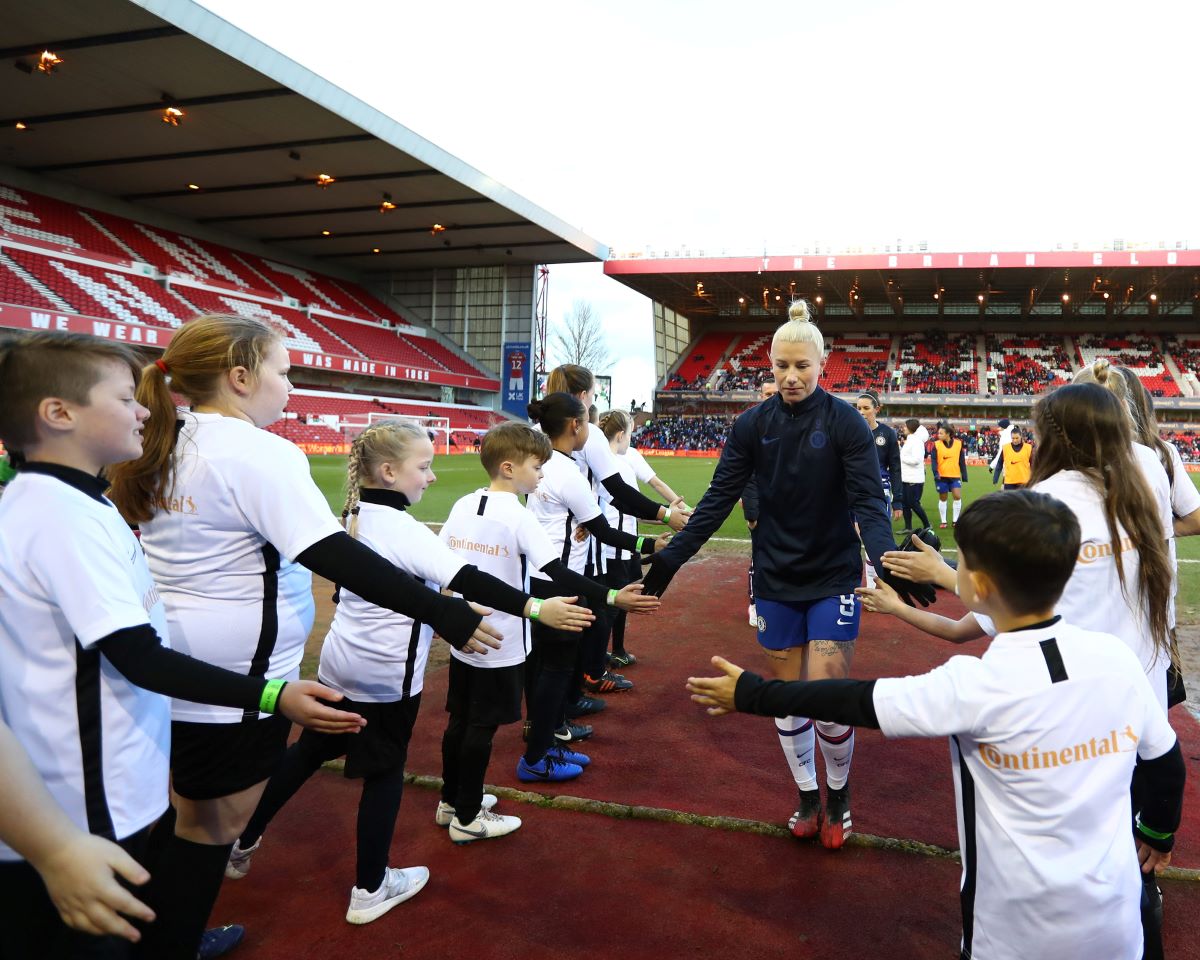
(547, 770)
(218, 941)
(563, 755)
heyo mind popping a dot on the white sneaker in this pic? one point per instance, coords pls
(485, 826)
(445, 812)
(752, 613)
(399, 884)
(239, 860)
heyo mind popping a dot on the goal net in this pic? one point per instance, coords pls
(438, 428)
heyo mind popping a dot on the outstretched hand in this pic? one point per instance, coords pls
(880, 599)
(485, 636)
(631, 599)
(562, 613)
(923, 564)
(301, 703)
(716, 694)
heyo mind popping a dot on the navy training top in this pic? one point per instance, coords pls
(814, 463)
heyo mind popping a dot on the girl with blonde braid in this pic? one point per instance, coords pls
(376, 658)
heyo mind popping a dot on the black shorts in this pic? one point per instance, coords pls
(487, 697)
(210, 760)
(381, 745)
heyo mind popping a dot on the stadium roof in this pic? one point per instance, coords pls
(1159, 281)
(256, 132)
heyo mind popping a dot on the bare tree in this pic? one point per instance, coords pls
(580, 339)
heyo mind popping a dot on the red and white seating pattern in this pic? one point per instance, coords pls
(1028, 365)
(34, 276)
(857, 363)
(1140, 353)
(310, 415)
(939, 363)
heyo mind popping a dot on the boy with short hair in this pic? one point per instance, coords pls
(83, 631)
(1051, 718)
(501, 537)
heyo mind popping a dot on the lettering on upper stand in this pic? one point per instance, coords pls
(1049, 757)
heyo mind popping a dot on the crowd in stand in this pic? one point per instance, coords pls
(708, 433)
(682, 433)
(676, 382)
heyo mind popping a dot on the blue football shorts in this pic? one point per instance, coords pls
(783, 624)
(945, 486)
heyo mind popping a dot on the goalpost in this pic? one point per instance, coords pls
(438, 428)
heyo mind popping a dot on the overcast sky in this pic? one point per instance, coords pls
(763, 125)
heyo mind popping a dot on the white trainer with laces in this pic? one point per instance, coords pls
(445, 812)
(485, 826)
(399, 884)
(239, 860)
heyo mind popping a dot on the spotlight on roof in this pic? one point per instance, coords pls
(324, 179)
(172, 116)
(1105, 294)
(1154, 298)
(819, 299)
(936, 295)
(374, 249)
(48, 62)
(386, 203)
(741, 299)
(326, 233)
(980, 298)
(1066, 298)
(193, 186)
(21, 125)
(436, 229)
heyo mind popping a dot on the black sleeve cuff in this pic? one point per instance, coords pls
(483, 588)
(841, 701)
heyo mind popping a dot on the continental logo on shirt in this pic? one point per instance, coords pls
(185, 505)
(1043, 758)
(475, 546)
(1091, 552)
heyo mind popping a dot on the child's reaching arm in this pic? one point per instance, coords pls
(883, 599)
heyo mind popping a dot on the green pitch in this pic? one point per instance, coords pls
(458, 475)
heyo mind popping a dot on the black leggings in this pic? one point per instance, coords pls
(377, 807)
(620, 574)
(912, 504)
(466, 751)
(549, 674)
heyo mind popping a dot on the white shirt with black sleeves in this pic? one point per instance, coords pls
(495, 533)
(1092, 598)
(1044, 731)
(372, 654)
(562, 501)
(72, 573)
(616, 517)
(243, 507)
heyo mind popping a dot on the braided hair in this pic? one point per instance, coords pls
(380, 443)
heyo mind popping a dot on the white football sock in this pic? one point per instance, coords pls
(942, 510)
(837, 747)
(796, 738)
(957, 509)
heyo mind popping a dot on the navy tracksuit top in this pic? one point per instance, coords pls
(817, 470)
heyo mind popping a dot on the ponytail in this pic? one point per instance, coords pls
(200, 354)
(570, 378)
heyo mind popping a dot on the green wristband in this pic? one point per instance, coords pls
(535, 609)
(612, 598)
(1152, 834)
(270, 695)
(666, 516)
(640, 542)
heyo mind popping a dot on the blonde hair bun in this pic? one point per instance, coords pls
(798, 310)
